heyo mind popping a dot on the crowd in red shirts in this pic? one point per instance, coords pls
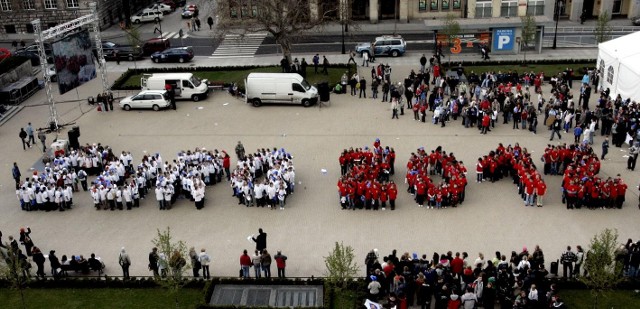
(581, 186)
(364, 181)
(449, 192)
(515, 161)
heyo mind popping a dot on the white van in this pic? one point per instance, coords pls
(262, 88)
(186, 85)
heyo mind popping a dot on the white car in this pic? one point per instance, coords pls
(161, 7)
(153, 99)
(146, 17)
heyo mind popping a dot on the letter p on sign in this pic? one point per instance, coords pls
(503, 40)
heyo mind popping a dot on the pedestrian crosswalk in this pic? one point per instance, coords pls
(173, 35)
(239, 46)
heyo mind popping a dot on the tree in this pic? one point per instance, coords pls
(11, 268)
(603, 271)
(451, 28)
(603, 30)
(341, 267)
(285, 20)
(528, 36)
(174, 261)
(133, 36)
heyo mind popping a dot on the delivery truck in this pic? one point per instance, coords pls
(284, 88)
(186, 85)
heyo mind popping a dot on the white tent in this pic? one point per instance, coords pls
(619, 62)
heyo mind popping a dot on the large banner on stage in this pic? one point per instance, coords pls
(73, 59)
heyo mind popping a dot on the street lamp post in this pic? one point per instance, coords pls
(558, 7)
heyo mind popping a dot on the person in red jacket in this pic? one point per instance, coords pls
(245, 264)
(226, 164)
(392, 192)
(281, 263)
(479, 170)
(541, 190)
(486, 121)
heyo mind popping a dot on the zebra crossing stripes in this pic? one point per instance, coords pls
(173, 35)
(239, 46)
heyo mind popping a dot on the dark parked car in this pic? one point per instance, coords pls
(175, 54)
(33, 48)
(35, 59)
(125, 52)
(155, 45)
(636, 21)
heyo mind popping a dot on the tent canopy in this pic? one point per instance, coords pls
(619, 62)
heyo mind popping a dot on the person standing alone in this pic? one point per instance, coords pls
(281, 263)
(15, 171)
(124, 262)
(260, 240)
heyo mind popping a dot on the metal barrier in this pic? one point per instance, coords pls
(575, 41)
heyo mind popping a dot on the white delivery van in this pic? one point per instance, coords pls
(186, 85)
(263, 88)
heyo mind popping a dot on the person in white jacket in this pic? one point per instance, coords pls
(95, 195)
(160, 197)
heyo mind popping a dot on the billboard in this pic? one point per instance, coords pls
(73, 59)
(466, 42)
(503, 39)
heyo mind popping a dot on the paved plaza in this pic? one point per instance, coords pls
(492, 218)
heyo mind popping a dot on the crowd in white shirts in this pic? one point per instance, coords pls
(264, 178)
(118, 182)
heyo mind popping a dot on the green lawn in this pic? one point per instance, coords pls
(625, 299)
(238, 76)
(100, 298)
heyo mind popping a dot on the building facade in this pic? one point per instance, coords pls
(16, 15)
(415, 10)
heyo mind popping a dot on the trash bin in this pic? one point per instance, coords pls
(324, 91)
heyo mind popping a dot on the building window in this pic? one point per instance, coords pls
(72, 4)
(445, 5)
(535, 7)
(509, 8)
(10, 28)
(610, 75)
(29, 27)
(434, 5)
(5, 5)
(456, 4)
(422, 5)
(601, 67)
(483, 9)
(28, 5)
(50, 4)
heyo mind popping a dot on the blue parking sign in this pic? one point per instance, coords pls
(503, 39)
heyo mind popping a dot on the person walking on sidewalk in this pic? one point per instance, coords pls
(197, 20)
(23, 137)
(43, 139)
(210, 22)
(30, 133)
